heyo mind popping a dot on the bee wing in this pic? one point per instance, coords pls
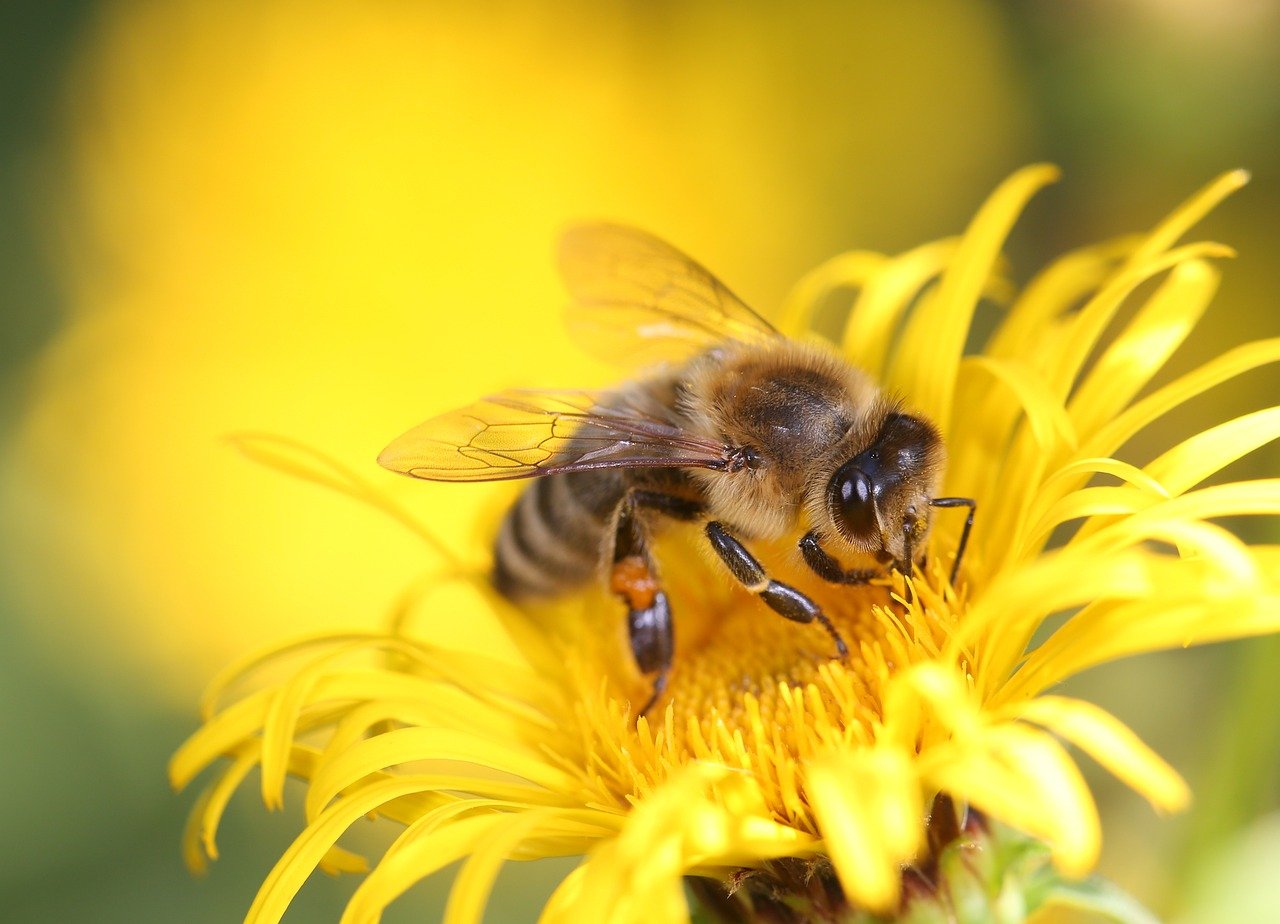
(523, 434)
(637, 298)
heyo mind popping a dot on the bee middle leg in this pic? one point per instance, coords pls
(783, 599)
(634, 578)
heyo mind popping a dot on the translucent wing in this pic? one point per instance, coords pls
(639, 299)
(522, 434)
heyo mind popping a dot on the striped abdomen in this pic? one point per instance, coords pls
(553, 537)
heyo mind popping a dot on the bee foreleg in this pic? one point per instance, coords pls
(634, 578)
(781, 598)
(827, 568)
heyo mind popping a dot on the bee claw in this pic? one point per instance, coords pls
(659, 687)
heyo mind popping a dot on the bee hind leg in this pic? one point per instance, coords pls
(652, 643)
(634, 578)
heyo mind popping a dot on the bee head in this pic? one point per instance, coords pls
(878, 501)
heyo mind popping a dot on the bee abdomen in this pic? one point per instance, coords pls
(551, 538)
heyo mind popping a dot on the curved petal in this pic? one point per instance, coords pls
(1110, 742)
(869, 808)
(846, 271)
(928, 356)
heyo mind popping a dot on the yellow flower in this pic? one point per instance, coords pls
(764, 752)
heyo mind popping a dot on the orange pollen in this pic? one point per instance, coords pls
(632, 580)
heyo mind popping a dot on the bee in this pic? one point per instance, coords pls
(750, 434)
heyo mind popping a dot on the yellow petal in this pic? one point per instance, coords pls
(474, 882)
(220, 735)
(846, 271)
(283, 715)
(560, 907)
(1055, 290)
(1161, 325)
(239, 670)
(1026, 779)
(1230, 565)
(639, 873)
(405, 745)
(338, 860)
(309, 464)
(1049, 422)
(1210, 451)
(1087, 502)
(415, 856)
(207, 813)
(1108, 438)
(1112, 744)
(1189, 609)
(870, 812)
(929, 354)
(869, 331)
(1064, 362)
(1179, 516)
(1016, 603)
(306, 852)
(1189, 213)
(1061, 482)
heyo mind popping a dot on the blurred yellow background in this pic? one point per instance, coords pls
(330, 220)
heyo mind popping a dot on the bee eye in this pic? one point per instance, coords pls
(853, 502)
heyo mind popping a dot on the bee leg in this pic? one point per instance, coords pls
(964, 533)
(677, 508)
(633, 577)
(652, 643)
(781, 598)
(827, 568)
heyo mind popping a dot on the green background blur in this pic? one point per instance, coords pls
(763, 138)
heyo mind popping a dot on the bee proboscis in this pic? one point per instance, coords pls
(754, 435)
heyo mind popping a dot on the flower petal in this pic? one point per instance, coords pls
(1050, 425)
(1108, 438)
(1108, 741)
(927, 358)
(1189, 213)
(312, 845)
(1004, 619)
(868, 333)
(301, 461)
(869, 809)
(424, 848)
(1053, 292)
(1210, 451)
(474, 882)
(1161, 325)
(847, 271)
(1026, 779)
(406, 745)
(1064, 363)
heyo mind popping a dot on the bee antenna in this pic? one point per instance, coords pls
(964, 533)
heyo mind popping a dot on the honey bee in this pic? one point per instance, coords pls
(751, 434)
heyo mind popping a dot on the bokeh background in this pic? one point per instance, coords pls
(329, 220)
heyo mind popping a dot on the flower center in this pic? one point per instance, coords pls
(747, 688)
(742, 648)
